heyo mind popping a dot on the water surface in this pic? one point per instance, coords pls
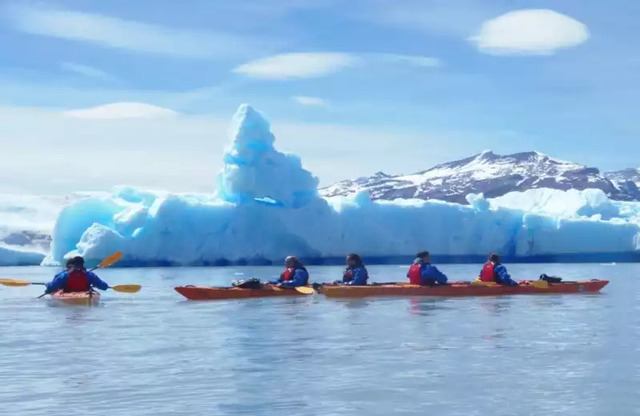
(154, 353)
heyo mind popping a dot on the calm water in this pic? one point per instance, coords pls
(155, 354)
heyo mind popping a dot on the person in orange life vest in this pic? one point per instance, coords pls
(355, 274)
(494, 271)
(75, 279)
(294, 275)
(423, 273)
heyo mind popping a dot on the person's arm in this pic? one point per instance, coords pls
(300, 278)
(57, 283)
(360, 277)
(505, 278)
(440, 277)
(432, 272)
(95, 281)
(277, 281)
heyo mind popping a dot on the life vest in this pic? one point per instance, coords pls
(415, 274)
(488, 273)
(77, 281)
(347, 276)
(287, 275)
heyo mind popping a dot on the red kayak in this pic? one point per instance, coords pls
(223, 293)
(535, 287)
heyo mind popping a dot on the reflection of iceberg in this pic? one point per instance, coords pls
(267, 207)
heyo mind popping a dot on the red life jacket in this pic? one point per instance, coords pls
(488, 273)
(287, 275)
(415, 276)
(77, 281)
(347, 276)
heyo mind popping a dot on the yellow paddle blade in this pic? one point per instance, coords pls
(12, 282)
(126, 288)
(305, 290)
(115, 257)
(540, 284)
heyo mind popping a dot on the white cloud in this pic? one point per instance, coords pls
(530, 32)
(415, 60)
(310, 101)
(125, 34)
(315, 64)
(121, 110)
(87, 71)
(297, 65)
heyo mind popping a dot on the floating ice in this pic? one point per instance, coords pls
(267, 207)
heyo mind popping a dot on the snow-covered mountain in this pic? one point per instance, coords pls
(493, 175)
(626, 179)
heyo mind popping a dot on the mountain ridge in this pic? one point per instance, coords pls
(493, 175)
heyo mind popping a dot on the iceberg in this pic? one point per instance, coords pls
(267, 206)
(26, 225)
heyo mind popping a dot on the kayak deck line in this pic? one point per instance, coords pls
(456, 289)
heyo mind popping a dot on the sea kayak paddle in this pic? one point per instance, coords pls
(117, 288)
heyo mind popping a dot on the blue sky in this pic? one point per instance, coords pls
(351, 86)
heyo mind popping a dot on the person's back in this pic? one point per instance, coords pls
(75, 279)
(494, 271)
(423, 273)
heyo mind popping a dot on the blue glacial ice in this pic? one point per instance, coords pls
(267, 207)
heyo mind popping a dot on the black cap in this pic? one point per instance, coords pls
(76, 261)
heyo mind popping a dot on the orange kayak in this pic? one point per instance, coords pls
(461, 289)
(77, 298)
(224, 293)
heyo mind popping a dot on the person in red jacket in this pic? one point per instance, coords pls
(494, 271)
(75, 279)
(423, 273)
(294, 275)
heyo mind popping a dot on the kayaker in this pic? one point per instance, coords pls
(75, 279)
(294, 275)
(356, 273)
(423, 273)
(494, 271)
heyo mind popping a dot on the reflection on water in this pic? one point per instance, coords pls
(496, 305)
(427, 306)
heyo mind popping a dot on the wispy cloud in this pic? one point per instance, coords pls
(320, 64)
(450, 17)
(121, 110)
(87, 71)
(127, 34)
(530, 32)
(297, 65)
(413, 60)
(310, 101)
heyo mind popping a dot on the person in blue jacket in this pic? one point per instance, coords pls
(294, 275)
(75, 278)
(423, 273)
(494, 271)
(356, 273)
